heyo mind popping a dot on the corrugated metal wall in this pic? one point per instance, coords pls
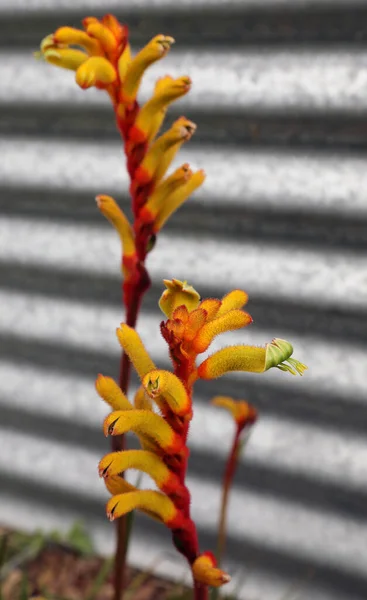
(280, 99)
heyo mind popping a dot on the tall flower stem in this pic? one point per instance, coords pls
(201, 591)
(119, 442)
(227, 482)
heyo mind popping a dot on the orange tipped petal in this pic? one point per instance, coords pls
(135, 349)
(147, 500)
(178, 197)
(117, 485)
(234, 319)
(104, 36)
(205, 571)
(211, 307)
(111, 393)
(146, 423)
(196, 320)
(162, 192)
(233, 358)
(110, 209)
(165, 386)
(235, 299)
(148, 462)
(153, 51)
(96, 71)
(242, 412)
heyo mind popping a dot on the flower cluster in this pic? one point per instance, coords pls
(101, 57)
(162, 410)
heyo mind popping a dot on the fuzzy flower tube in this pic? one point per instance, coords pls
(100, 55)
(163, 408)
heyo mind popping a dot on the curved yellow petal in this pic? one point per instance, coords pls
(178, 293)
(148, 500)
(233, 358)
(110, 209)
(124, 62)
(110, 392)
(232, 300)
(96, 71)
(165, 386)
(153, 51)
(148, 462)
(135, 349)
(77, 37)
(117, 485)
(205, 571)
(151, 115)
(66, 58)
(178, 197)
(163, 150)
(234, 319)
(103, 35)
(146, 423)
(162, 192)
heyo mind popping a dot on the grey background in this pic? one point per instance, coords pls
(280, 99)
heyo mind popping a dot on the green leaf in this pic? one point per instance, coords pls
(79, 539)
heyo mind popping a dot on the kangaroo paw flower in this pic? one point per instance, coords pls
(146, 423)
(205, 571)
(178, 293)
(111, 393)
(178, 197)
(233, 300)
(163, 386)
(148, 462)
(233, 319)
(135, 349)
(242, 412)
(147, 500)
(96, 71)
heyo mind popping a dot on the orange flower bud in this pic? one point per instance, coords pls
(148, 462)
(205, 571)
(242, 412)
(119, 31)
(162, 152)
(195, 321)
(178, 197)
(165, 386)
(156, 503)
(178, 293)
(135, 349)
(111, 393)
(146, 423)
(234, 319)
(150, 116)
(163, 191)
(110, 209)
(96, 71)
(72, 36)
(104, 36)
(153, 51)
(211, 307)
(124, 62)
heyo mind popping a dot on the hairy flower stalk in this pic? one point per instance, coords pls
(101, 57)
(163, 409)
(244, 415)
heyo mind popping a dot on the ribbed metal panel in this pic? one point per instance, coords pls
(280, 99)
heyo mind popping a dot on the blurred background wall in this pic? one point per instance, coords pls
(280, 99)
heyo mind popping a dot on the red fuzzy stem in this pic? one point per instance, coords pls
(201, 591)
(227, 482)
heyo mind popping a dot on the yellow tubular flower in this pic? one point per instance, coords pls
(242, 412)
(195, 321)
(178, 293)
(205, 571)
(235, 299)
(148, 500)
(161, 193)
(76, 37)
(103, 35)
(164, 385)
(163, 150)
(135, 349)
(142, 400)
(146, 423)
(153, 51)
(178, 197)
(151, 114)
(111, 393)
(116, 486)
(148, 462)
(124, 62)
(95, 71)
(110, 209)
(66, 58)
(234, 319)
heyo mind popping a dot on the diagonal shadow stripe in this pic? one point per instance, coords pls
(262, 224)
(330, 413)
(298, 488)
(251, 554)
(104, 289)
